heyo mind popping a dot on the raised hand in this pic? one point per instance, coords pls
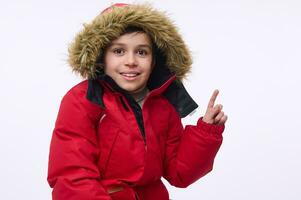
(214, 114)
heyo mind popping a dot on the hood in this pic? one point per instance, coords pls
(89, 44)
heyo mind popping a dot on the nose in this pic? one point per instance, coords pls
(131, 60)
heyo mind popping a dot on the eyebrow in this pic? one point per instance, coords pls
(122, 44)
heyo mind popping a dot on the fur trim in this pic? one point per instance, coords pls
(89, 44)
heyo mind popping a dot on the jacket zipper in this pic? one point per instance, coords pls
(137, 111)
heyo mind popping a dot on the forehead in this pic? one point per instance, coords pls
(135, 38)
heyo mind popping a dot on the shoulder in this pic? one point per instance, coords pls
(79, 88)
(76, 94)
(76, 98)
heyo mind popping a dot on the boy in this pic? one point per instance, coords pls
(118, 132)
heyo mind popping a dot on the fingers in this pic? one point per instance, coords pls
(216, 110)
(218, 117)
(211, 113)
(213, 98)
(214, 113)
(222, 120)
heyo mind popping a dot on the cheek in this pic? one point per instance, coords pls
(149, 65)
(107, 68)
(110, 65)
(149, 71)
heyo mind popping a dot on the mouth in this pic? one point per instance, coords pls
(130, 75)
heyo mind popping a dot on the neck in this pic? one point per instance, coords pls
(139, 96)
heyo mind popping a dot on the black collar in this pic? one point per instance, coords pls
(175, 93)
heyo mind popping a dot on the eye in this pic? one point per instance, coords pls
(118, 51)
(142, 52)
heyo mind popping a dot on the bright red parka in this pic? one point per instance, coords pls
(105, 147)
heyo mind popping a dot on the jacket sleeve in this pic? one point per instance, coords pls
(72, 171)
(190, 152)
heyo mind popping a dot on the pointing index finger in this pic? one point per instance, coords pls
(213, 98)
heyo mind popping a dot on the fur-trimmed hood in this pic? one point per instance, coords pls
(89, 44)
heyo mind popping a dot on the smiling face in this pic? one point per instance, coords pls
(128, 61)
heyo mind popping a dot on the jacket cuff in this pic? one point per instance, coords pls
(211, 129)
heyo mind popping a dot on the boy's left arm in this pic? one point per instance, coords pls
(190, 152)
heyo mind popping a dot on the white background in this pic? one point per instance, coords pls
(249, 50)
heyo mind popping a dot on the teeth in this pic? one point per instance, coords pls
(130, 74)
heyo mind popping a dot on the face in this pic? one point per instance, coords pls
(128, 61)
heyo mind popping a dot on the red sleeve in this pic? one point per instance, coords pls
(190, 152)
(72, 171)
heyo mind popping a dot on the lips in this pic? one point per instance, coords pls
(130, 74)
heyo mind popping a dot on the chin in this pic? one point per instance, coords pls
(133, 90)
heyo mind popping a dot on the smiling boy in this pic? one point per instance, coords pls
(119, 131)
